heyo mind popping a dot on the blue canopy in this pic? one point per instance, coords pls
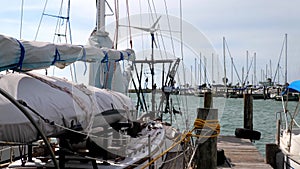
(293, 87)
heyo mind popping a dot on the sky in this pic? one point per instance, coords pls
(256, 26)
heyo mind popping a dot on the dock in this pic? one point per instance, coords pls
(241, 153)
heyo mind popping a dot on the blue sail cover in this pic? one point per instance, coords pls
(293, 87)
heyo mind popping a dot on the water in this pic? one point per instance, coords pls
(264, 119)
(231, 112)
(231, 116)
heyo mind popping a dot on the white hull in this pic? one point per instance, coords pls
(291, 156)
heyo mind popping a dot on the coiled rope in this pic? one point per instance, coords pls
(213, 125)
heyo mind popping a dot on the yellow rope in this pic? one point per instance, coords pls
(214, 125)
(167, 150)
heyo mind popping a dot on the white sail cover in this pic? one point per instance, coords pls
(29, 55)
(57, 100)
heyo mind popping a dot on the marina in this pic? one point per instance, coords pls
(135, 85)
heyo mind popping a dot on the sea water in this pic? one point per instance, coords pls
(231, 115)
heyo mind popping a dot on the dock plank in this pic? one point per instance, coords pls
(241, 153)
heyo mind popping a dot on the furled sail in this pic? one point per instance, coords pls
(24, 55)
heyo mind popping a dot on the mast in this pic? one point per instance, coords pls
(100, 14)
(247, 66)
(266, 75)
(152, 72)
(271, 76)
(285, 75)
(224, 79)
(218, 72)
(254, 70)
(231, 66)
(195, 71)
(243, 73)
(200, 69)
(205, 73)
(212, 68)
(191, 75)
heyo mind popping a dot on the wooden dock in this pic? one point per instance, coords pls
(241, 153)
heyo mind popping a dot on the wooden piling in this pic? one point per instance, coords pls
(271, 150)
(248, 111)
(207, 148)
(208, 101)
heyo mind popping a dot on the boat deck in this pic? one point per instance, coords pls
(241, 153)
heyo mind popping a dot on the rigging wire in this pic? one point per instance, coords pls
(141, 21)
(169, 25)
(232, 62)
(278, 63)
(41, 19)
(244, 80)
(181, 50)
(156, 34)
(150, 11)
(58, 23)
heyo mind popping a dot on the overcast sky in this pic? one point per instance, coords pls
(257, 25)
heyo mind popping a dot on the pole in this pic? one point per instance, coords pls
(271, 151)
(205, 73)
(196, 71)
(248, 111)
(212, 68)
(225, 78)
(285, 75)
(191, 75)
(207, 148)
(208, 100)
(152, 73)
(247, 66)
(100, 14)
(149, 150)
(200, 69)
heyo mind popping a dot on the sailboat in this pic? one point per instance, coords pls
(62, 124)
(288, 131)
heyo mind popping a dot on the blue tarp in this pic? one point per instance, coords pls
(293, 87)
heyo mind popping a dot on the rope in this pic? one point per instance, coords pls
(163, 153)
(198, 124)
(214, 125)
